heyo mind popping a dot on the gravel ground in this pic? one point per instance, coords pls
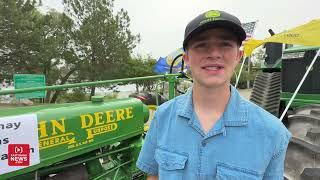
(245, 93)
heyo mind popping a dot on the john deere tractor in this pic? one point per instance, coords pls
(97, 140)
(273, 88)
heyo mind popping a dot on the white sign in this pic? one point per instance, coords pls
(18, 142)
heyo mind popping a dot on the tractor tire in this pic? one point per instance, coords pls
(303, 153)
(266, 91)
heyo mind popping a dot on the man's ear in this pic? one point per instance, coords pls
(240, 55)
(186, 58)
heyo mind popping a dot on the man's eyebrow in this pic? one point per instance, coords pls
(228, 37)
(200, 38)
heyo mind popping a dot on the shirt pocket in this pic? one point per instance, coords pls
(171, 164)
(229, 172)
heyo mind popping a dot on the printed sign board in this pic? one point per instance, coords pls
(28, 81)
(19, 146)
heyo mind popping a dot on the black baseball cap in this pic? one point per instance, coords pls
(213, 19)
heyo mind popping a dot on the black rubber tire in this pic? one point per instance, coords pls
(303, 154)
(266, 91)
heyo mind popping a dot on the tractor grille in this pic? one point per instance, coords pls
(293, 71)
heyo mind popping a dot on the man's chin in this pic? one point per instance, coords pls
(214, 84)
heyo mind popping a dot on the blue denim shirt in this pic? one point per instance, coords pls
(246, 143)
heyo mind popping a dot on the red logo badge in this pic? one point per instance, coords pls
(18, 154)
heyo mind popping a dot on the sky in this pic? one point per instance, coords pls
(161, 23)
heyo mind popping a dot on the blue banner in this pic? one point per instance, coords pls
(163, 64)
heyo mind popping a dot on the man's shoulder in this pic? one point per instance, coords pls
(173, 104)
(263, 119)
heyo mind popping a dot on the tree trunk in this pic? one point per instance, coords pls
(93, 91)
(55, 96)
(63, 81)
(47, 98)
(93, 64)
(48, 94)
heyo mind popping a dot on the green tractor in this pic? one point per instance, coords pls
(273, 88)
(97, 140)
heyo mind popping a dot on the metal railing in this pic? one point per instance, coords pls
(171, 78)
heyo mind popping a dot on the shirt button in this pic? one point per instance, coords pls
(203, 143)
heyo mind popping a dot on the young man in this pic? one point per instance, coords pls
(211, 132)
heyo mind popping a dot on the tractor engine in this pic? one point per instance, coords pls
(87, 140)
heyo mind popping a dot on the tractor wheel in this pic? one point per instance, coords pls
(303, 154)
(266, 91)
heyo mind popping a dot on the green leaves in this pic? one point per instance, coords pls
(103, 38)
(88, 42)
(140, 66)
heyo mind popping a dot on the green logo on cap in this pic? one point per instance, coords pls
(212, 14)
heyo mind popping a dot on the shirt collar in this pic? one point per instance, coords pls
(236, 112)
(186, 104)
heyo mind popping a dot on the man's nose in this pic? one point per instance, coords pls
(214, 51)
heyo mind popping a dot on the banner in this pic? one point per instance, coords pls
(307, 34)
(163, 64)
(18, 142)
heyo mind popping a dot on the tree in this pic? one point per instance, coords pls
(138, 67)
(34, 43)
(104, 41)
(258, 57)
(91, 42)
(18, 35)
(58, 57)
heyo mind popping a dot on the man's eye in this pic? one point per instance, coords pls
(201, 45)
(226, 44)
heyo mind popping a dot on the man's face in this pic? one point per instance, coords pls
(212, 56)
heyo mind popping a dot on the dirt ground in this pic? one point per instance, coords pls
(6, 105)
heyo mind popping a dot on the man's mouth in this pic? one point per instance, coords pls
(212, 67)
